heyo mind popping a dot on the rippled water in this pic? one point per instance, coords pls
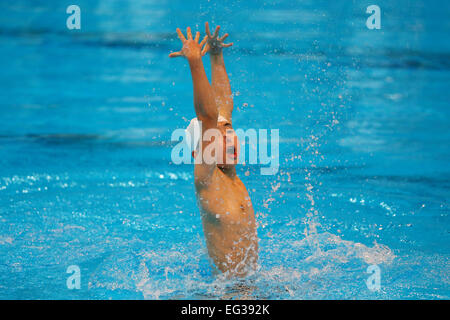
(85, 172)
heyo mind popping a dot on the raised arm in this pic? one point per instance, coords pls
(204, 101)
(220, 81)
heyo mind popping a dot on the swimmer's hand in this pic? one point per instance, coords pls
(191, 48)
(214, 43)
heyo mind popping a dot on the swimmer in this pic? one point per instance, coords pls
(227, 212)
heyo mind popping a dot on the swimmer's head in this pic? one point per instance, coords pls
(227, 142)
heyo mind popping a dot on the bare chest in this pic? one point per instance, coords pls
(226, 200)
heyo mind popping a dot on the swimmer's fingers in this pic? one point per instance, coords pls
(181, 36)
(216, 32)
(208, 33)
(175, 54)
(223, 37)
(197, 37)
(214, 42)
(225, 45)
(189, 33)
(205, 49)
(203, 41)
(205, 45)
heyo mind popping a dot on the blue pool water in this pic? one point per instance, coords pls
(85, 171)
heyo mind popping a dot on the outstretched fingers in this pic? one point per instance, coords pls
(205, 49)
(181, 36)
(203, 41)
(208, 33)
(205, 45)
(175, 54)
(225, 45)
(216, 32)
(209, 42)
(223, 37)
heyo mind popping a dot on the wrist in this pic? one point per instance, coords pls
(193, 61)
(216, 57)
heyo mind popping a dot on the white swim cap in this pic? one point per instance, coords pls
(193, 132)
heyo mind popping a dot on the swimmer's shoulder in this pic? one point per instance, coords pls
(203, 176)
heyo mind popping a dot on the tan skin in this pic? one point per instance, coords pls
(227, 213)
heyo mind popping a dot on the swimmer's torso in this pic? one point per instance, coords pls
(228, 223)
